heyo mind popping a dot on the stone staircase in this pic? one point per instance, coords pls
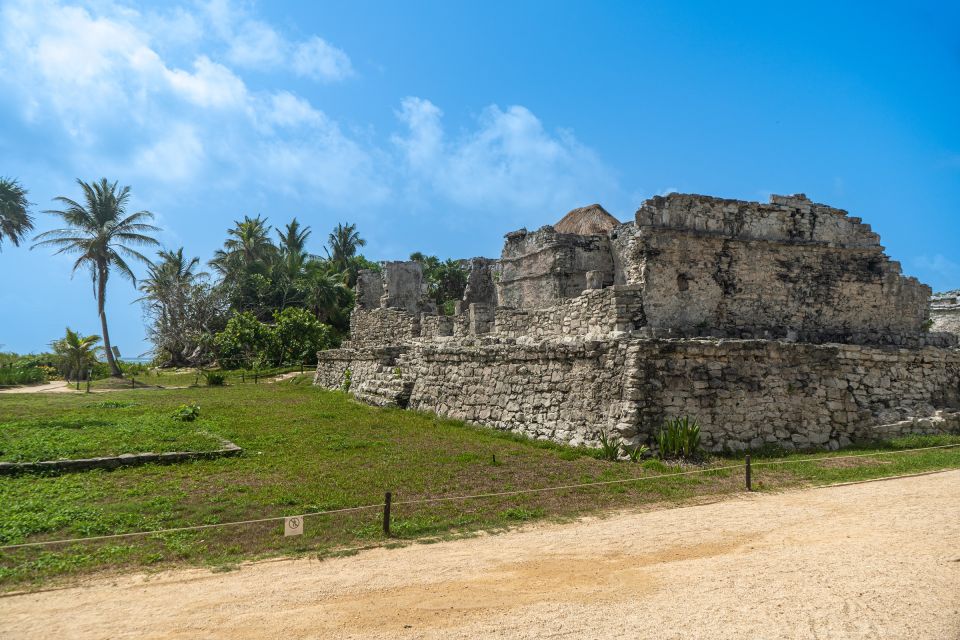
(385, 387)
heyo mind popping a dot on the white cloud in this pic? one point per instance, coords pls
(319, 60)
(508, 162)
(137, 108)
(210, 85)
(132, 110)
(254, 44)
(178, 157)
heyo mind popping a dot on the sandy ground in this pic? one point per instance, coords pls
(872, 560)
(58, 386)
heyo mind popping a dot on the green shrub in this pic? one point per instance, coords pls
(679, 438)
(298, 335)
(186, 413)
(215, 378)
(609, 446)
(243, 341)
(636, 453)
(347, 380)
(22, 375)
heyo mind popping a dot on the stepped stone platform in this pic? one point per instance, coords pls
(777, 323)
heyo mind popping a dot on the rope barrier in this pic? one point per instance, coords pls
(471, 497)
(178, 529)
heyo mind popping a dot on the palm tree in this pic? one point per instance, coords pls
(100, 232)
(168, 292)
(326, 292)
(15, 221)
(248, 244)
(293, 241)
(288, 270)
(344, 242)
(77, 353)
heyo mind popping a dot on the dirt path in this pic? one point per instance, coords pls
(58, 386)
(874, 560)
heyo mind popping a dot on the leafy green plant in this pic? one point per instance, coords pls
(215, 378)
(347, 380)
(636, 453)
(679, 438)
(186, 413)
(609, 446)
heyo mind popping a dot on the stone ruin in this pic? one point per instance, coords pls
(781, 323)
(945, 312)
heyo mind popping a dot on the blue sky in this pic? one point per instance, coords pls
(440, 126)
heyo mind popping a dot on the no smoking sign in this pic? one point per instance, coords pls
(293, 526)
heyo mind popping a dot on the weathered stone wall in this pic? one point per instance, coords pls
(945, 313)
(379, 327)
(368, 289)
(540, 268)
(792, 219)
(403, 286)
(749, 393)
(744, 393)
(481, 286)
(798, 271)
(562, 392)
(596, 313)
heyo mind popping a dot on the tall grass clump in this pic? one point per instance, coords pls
(679, 438)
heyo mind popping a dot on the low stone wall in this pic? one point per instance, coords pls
(227, 450)
(745, 393)
(756, 392)
(596, 312)
(549, 390)
(382, 326)
(946, 319)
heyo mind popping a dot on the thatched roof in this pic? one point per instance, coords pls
(587, 221)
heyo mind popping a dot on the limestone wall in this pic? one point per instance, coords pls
(758, 289)
(748, 393)
(379, 327)
(945, 313)
(785, 219)
(562, 392)
(595, 313)
(744, 393)
(540, 268)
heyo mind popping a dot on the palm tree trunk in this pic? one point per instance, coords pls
(101, 307)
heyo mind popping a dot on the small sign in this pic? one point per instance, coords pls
(116, 352)
(293, 526)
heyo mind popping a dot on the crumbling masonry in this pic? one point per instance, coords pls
(781, 323)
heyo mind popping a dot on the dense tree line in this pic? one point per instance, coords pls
(266, 300)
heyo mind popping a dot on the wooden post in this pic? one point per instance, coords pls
(749, 483)
(386, 513)
(133, 382)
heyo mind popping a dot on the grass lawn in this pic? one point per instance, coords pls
(184, 378)
(86, 434)
(305, 450)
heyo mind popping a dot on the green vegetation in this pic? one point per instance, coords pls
(15, 219)
(77, 355)
(82, 434)
(103, 237)
(679, 438)
(17, 370)
(307, 450)
(446, 280)
(186, 413)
